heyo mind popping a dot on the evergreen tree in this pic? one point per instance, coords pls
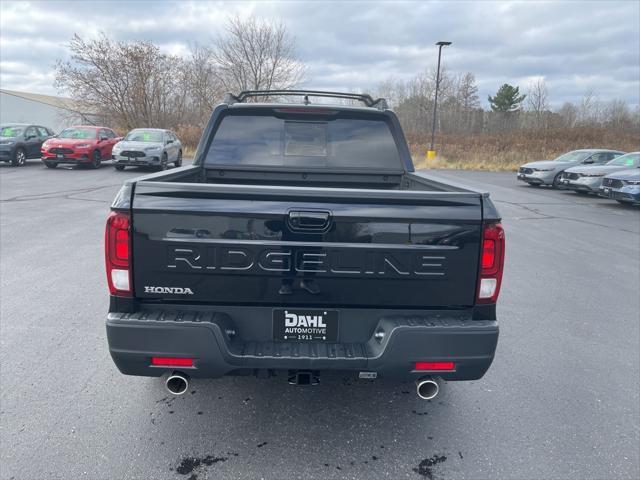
(508, 99)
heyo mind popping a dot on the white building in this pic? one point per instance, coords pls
(56, 113)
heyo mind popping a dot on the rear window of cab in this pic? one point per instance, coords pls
(303, 141)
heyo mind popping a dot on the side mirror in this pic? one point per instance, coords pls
(29, 137)
(102, 139)
(588, 160)
(169, 141)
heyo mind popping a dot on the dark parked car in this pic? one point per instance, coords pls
(622, 186)
(302, 240)
(20, 141)
(80, 145)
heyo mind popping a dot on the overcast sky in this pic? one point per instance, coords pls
(575, 46)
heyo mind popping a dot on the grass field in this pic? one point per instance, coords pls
(507, 151)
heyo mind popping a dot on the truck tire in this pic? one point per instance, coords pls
(556, 180)
(50, 164)
(178, 162)
(120, 167)
(19, 157)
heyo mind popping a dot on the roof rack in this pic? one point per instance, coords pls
(380, 103)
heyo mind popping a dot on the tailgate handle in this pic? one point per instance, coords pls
(309, 220)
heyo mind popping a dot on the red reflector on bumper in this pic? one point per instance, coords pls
(434, 366)
(172, 361)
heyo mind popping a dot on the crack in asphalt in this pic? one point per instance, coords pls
(60, 194)
(104, 202)
(524, 207)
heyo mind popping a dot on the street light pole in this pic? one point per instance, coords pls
(435, 101)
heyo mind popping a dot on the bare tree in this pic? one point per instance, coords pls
(458, 109)
(257, 55)
(203, 83)
(568, 115)
(467, 102)
(617, 114)
(467, 92)
(589, 109)
(635, 118)
(537, 103)
(415, 97)
(391, 89)
(129, 84)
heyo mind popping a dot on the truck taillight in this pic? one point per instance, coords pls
(117, 249)
(491, 263)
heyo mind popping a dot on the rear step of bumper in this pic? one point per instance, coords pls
(210, 338)
(354, 352)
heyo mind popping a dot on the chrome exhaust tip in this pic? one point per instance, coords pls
(427, 388)
(177, 383)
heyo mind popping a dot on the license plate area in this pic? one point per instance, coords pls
(305, 325)
(60, 156)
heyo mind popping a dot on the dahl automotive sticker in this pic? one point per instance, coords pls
(304, 324)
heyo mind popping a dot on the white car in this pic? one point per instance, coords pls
(549, 172)
(148, 147)
(588, 179)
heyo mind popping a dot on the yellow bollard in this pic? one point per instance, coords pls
(431, 154)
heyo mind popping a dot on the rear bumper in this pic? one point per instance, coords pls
(215, 341)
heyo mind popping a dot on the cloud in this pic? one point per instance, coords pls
(575, 46)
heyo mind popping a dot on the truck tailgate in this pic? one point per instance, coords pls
(300, 246)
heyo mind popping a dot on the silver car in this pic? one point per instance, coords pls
(549, 172)
(588, 178)
(148, 147)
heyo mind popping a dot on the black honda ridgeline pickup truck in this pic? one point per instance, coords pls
(301, 240)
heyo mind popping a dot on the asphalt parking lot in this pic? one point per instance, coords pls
(560, 401)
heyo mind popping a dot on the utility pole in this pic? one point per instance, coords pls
(431, 153)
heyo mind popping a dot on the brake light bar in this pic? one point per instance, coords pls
(491, 263)
(435, 366)
(117, 250)
(172, 362)
(312, 110)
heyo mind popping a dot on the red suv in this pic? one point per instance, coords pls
(81, 145)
